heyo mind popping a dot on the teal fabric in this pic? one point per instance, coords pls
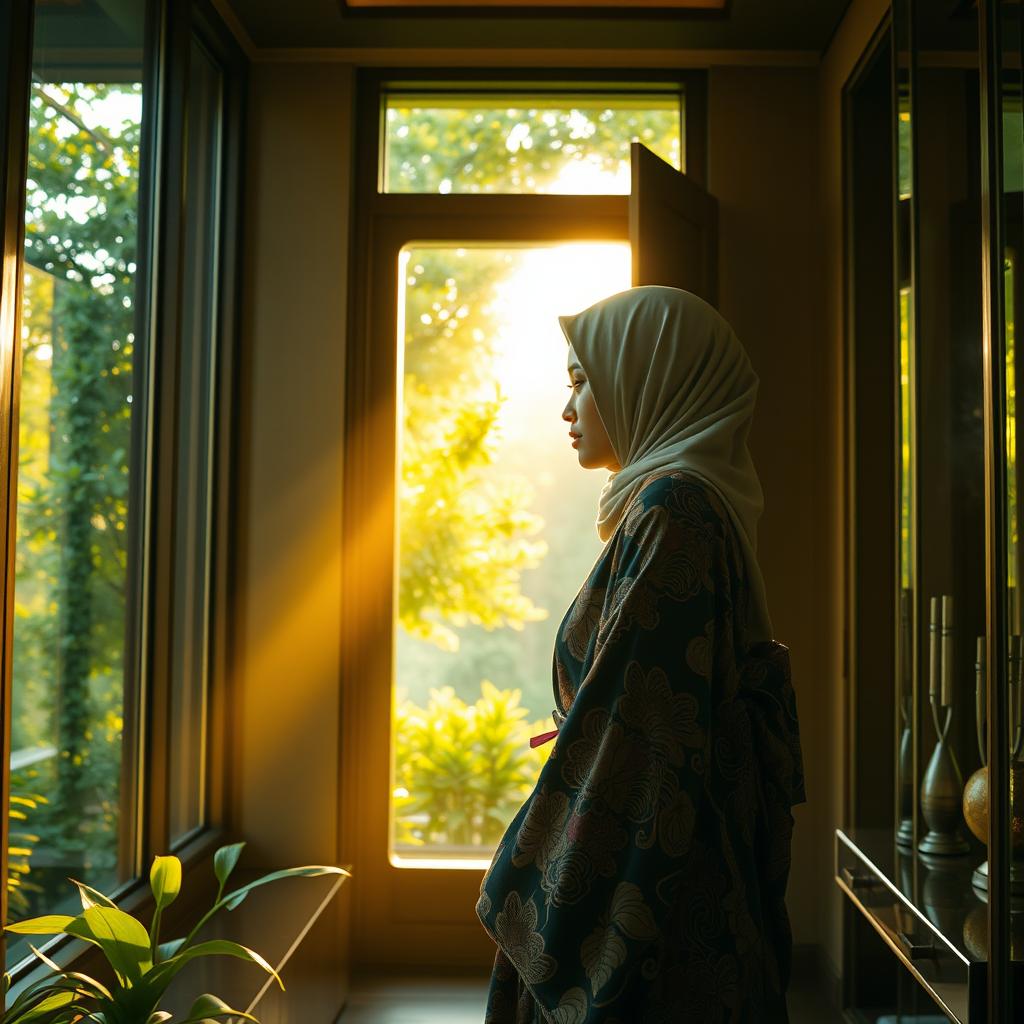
(644, 878)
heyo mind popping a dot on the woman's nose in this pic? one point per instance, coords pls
(568, 413)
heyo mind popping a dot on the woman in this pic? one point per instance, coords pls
(644, 878)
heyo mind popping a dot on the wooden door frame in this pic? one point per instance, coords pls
(409, 916)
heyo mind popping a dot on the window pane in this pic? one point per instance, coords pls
(195, 463)
(567, 144)
(72, 776)
(496, 530)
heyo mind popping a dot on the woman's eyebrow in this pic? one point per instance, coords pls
(575, 366)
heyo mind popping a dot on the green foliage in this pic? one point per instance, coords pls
(520, 148)
(463, 769)
(143, 967)
(24, 801)
(468, 526)
(75, 432)
(464, 530)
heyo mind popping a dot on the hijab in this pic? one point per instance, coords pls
(675, 391)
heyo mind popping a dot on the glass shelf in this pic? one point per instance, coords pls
(929, 914)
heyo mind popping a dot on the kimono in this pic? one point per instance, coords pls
(644, 878)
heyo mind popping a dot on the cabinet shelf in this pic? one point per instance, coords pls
(929, 915)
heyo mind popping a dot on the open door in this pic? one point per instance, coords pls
(673, 227)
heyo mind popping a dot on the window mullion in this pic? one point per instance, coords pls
(158, 560)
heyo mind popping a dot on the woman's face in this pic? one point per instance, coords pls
(589, 437)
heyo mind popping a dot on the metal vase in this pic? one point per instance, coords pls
(941, 793)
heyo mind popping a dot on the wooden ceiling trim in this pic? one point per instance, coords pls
(626, 6)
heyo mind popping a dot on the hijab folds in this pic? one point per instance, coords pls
(675, 391)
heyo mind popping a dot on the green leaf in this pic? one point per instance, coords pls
(168, 949)
(208, 1007)
(224, 861)
(124, 941)
(50, 924)
(159, 1017)
(73, 979)
(162, 973)
(91, 897)
(43, 1010)
(233, 899)
(165, 880)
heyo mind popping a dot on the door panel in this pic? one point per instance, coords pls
(673, 227)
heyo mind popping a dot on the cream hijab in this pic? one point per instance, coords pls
(675, 390)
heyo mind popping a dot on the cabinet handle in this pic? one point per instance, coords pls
(912, 949)
(855, 880)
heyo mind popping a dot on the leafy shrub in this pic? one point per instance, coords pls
(462, 770)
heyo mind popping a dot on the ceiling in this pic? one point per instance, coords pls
(744, 25)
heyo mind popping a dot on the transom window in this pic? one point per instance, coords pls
(541, 141)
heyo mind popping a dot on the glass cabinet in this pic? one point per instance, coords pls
(931, 858)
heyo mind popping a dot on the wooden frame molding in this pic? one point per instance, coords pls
(626, 6)
(399, 911)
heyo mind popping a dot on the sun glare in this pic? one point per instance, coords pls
(530, 348)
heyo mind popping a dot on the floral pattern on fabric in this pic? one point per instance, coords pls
(644, 879)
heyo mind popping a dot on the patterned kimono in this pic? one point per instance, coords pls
(644, 878)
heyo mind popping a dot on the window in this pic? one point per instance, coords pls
(538, 142)
(495, 521)
(73, 726)
(124, 445)
(495, 524)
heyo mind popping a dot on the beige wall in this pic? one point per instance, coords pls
(774, 160)
(286, 783)
(763, 168)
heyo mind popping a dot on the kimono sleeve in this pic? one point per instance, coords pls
(583, 885)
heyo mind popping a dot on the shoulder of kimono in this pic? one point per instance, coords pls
(682, 495)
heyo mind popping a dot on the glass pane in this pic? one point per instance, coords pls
(906, 448)
(72, 769)
(496, 530)
(195, 461)
(542, 143)
(1011, 807)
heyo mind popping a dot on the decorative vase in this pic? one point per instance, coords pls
(943, 785)
(905, 832)
(940, 805)
(976, 815)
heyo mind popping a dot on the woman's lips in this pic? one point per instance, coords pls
(575, 439)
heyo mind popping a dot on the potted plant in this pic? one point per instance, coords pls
(143, 967)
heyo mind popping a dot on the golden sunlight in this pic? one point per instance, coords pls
(530, 350)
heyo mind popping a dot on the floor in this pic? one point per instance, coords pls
(461, 1001)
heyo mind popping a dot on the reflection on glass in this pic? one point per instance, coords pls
(496, 529)
(78, 336)
(1012, 526)
(568, 144)
(1013, 144)
(906, 496)
(903, 137)
(906, 445)
(195, 462)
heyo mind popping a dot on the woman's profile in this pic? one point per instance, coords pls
(644, 878)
